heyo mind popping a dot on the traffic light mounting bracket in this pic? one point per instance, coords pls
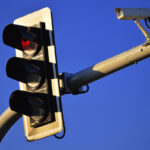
(65, 89)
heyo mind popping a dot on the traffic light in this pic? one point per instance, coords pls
(35, 67)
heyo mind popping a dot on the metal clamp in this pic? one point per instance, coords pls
(64, 88)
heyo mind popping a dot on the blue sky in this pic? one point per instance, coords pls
(115, 113)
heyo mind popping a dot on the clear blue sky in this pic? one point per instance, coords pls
(115, 113)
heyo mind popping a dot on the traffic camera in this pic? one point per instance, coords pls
(132, 13)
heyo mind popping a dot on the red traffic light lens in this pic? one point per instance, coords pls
(29, 47)
(25, 44)
(22, 38)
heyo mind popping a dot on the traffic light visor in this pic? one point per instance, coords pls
(21, 37)
(30, 104)
(27, 71)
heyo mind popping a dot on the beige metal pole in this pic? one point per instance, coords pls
(109, 66)
(102, 69)
(7, 119)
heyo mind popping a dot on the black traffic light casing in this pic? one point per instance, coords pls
(35, 67)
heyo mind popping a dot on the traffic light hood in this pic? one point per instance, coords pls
(20, 37)
(26, 71)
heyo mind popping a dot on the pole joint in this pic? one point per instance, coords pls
(66, 89)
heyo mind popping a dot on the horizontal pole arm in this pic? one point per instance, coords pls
(108, 66)
(7, 119)
(86, 76)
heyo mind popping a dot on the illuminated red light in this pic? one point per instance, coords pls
(25, 44)
(28, 45)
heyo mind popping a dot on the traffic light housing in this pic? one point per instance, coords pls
(35, 67)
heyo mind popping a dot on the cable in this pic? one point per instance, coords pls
(146, 22)
(86, 89)
(64, 128)
(60, 137)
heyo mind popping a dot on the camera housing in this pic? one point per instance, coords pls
(132, 13)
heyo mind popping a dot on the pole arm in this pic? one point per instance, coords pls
(86, 76)
(108, 66)
(7, 119)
